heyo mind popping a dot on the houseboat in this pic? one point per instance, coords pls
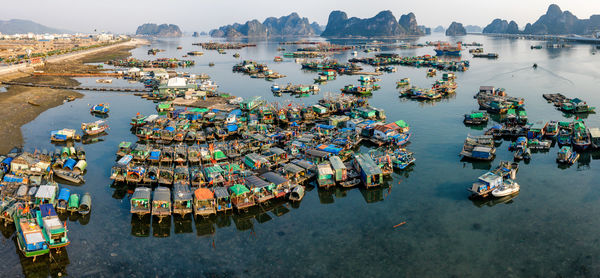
(204, 202)
(241, 197)
(370, 174)
(486, 184)
(55, 232)
(94, 128)
(566, 155)
(182, 199)
(161, 202)
(140, 201)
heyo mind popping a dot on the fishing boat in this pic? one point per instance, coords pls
(297, 193)
(63, 199)
(85, 206)
(486, 184)
(595, 137)
(575, 106)
(165, 176)
(73, 203)
(161, 203)
(566, 155)
(402, 159)
(431, 72)
(190, 136)
(55, 232)
(204, 202)
(94, 128)
(581, 136)
(69, 176)
(222, 199)
(135, 174)
(370, 173)
(551, 129)
(62, 135)
(565, 132)
(361, 90)
(403, 82)
(30, 237)
(138, 121)
(447, 49)
(165, 106)
(102, 108)
(508, 187)
(241, 197)
(476, 118)
(140, 201)
(151, 175)
(182, 199)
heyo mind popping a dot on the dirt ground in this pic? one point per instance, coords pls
(15, 102)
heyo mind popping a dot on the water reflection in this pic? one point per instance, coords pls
(140, 226)
(52, 265)
(492, 201)
(183, 225)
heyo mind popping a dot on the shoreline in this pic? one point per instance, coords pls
(17, 100)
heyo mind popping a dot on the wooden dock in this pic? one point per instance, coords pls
(81, 88)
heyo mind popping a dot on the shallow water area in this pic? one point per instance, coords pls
(548, 229)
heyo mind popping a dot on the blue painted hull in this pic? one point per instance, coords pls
(446, 52)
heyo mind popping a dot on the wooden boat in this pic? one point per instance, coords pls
(140, 201)
(565, 133)
(138, 121)
(566, 155)
(155, 156)
(261, 190)
(55, 232)
(325, 175)
(161, 202)
(350, 182)
(85, 206)
(180, 154)
(62, 135)
(297, 193)
(241, 197)
(371, 175)
(205, 202)
(168, 155)
(581, 136)
(476, 118)
(80, 153)
(193, 154)
(508, 187)
(73, 203)
(152, 175)
(196, 177)
(222, 199)
(181, 174)
(182, 199)
(30, 238)
(63, 199)
(102, 108)
(135, 173)
(94, 128)
(190, 136)
(403, 82)
(551, 129)
(69, 176)
(165, 176)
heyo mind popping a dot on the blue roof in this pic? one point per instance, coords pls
(170, 129)
(322, 126)
(64, 194)
(47, 210)
(232, 127)
(12, 179)
(236, 112)
(70, 163)
(154, 154)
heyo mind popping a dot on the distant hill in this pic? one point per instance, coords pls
(456, 29)
(163, 30)
(384, 24)
(22, 26)
(473, 29)
(553, 22)
(290, 25)
(439, 29)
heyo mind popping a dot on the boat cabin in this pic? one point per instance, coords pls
(280, 183)
(340, 172)
(261, 189)
(161, 202)
(256, 161)
(140, 201)
(222, 198)
(204, 202)
(486, 184)
(241, 197)
(370, 174)
(46, 194)
(55, 231)
(182, 199)
(325, 177)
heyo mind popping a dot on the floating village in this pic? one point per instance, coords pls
(207, 153)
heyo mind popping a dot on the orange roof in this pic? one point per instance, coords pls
(203, 194)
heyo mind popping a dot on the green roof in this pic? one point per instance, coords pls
(477, 115)
(522, 113)
(238, 189)
(401, 123)
(218, 154)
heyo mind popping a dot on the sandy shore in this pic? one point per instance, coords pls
(17, 108)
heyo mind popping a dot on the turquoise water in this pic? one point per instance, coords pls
(549, 229)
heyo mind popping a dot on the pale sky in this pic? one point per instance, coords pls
(123, 16)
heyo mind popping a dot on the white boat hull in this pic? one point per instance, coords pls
(505, 191)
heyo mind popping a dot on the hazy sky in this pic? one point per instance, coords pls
(123, 16)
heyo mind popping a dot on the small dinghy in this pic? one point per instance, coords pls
(508, 187)
(73, 203)
(86, 204)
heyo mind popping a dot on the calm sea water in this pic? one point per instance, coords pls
(549, 229)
